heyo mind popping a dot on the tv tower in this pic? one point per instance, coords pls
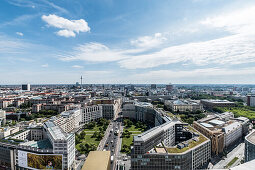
(81, 81)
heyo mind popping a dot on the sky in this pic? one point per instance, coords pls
(120, 41)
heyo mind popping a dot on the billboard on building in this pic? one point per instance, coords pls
(39, 161)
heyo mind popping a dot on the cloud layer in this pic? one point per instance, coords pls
(68, 28)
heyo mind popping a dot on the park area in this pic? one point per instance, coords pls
(244, 111)
(132, 128)
(91, 135)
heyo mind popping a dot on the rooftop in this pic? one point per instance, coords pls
(42, 144)
(216, 122)
(191, 143)
(251, 137)
(97, 160)
(216, 101)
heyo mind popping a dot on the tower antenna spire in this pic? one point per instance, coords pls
(81, 81)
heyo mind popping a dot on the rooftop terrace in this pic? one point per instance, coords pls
(191, 143)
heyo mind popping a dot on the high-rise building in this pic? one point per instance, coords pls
(169, 87)
(251, 100)
(25, 87)
(153, 86)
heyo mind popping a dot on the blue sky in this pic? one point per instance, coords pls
(119, 41)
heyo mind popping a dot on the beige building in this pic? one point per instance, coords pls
(98, 160)
(223, 130)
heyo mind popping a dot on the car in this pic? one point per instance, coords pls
(112, 141)
(106, 145)
(125, 159)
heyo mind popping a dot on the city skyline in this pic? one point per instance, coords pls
(119, 42)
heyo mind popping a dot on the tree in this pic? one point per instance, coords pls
(95, 134)
(82, 134)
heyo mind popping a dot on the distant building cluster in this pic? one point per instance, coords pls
(54, 138)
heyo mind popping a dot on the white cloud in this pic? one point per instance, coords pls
(69, 28)
(238, 21)
(77, 66)
(229, 50)
(94, 52)
(19, 33)
(45, 65)
(149, 41)
(205, 75)
(66, 33)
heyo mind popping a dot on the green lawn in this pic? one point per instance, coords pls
(133, 128)
(232, 162)
(129, 141)
(96, 128)
(88, 137)
(244, 111)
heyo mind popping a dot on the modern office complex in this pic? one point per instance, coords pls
(183, 105)
(211, 103)
(29, 148)
(249, 152)
(170, 144)
(223, 130)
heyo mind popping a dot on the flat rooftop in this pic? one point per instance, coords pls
(160, 150)
(217, 101)
(251, 137)
(42, 144)
(191, 142)
(97, 160)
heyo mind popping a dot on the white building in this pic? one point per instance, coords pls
(63, 143)
(2, 117)
(233, 132)
(69, 120)
(90, 113)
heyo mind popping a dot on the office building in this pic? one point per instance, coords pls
(91, 113)
(223, 130)
(184, 148)
(69, 121)
(249, 152)
(25, 87)
(49, 141)
(168, 145)
(153, 86)
(251, 100)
